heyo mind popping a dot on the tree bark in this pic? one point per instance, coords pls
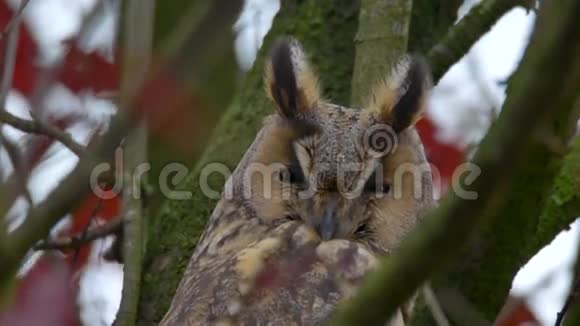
(137, 34)
(326, 29)
(380, 41)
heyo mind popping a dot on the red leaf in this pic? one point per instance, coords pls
(44, 296)
(173, 110)
(516, 312)
(102, 210)
(88, 71)
(446, 157)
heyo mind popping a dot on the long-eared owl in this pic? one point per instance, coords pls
(320, 195)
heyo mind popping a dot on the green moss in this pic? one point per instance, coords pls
(380, 41)
(563, 204)
(430, 20)
(326, 30)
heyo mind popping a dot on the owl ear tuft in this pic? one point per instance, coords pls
(289, 80)
(401, 99)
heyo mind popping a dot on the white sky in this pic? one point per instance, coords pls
(460, 105)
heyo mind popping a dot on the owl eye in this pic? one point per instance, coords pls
(374, 186)
(292, 174)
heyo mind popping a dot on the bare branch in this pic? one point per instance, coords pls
(434, 306)
(8, 65)
(40, 127)
(76, 242)
(15, 19)
(6, 79)
(72, 190)
(463, 35)
(458, 309)
(20, 175)
(137, 33)
(570, 300)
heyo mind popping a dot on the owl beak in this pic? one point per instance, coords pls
(327, 227)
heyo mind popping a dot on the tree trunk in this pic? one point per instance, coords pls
(326, 29)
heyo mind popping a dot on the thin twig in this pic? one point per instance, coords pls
(434, 306)
(96, 210)
(19, 173)
(570, 300)
(463, 35)
(137, 33)
(40, 127)
(458, 309)
(92, 17)
(15, 19)
(9, 59)
(75, 242)
(8, 64)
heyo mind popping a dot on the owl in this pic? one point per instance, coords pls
(322, 193)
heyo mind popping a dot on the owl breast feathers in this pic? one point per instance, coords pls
(321, 194)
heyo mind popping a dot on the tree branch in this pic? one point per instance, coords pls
(15, 19)
(19, 175)
(573, 310)
(434, 306)
(137, 36)
(532, 103)
(463, 35)
(57, 204)
(570, 300)
(562, 206)
(383, 31)
(76, 242)
(39, 127)
(8, 66)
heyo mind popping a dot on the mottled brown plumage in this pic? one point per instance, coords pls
(316, 200)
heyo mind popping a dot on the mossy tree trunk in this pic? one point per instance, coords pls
(380, 41)
(326, 29)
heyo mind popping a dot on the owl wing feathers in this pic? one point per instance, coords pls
(283, 275)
